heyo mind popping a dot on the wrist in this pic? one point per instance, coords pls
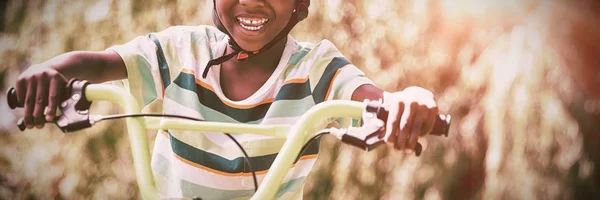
(65, 64)
(386, 96)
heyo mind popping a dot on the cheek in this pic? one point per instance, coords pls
(283, 10)
(222, 8)
(283, 18)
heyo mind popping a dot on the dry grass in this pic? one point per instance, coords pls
(519, 77)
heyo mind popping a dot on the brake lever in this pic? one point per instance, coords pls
(370, 134)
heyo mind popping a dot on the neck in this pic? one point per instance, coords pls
(267, 60)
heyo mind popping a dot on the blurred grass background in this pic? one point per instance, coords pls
(521, 79)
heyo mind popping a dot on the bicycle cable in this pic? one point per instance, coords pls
(120, 116)
(247, 158)
(312, 139)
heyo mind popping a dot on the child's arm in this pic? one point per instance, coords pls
(93, 66)
(412, 113)
(42, 85)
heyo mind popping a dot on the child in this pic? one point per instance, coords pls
(247, 70)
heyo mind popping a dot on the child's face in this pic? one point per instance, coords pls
(254, 23)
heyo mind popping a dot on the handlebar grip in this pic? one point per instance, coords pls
(12, 100)
(21, 124)
(441, 127)
(74, 107)
(418, 149)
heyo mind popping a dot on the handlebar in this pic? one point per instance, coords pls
(80, 106)
(75, 116)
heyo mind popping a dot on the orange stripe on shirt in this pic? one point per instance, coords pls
(209, 87)
(332, 81)
(296, 80)
(164, 133)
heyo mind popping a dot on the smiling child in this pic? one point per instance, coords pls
(246, 69)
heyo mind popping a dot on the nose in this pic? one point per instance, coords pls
(252, 3)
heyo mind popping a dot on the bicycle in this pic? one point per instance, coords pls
(75, 116)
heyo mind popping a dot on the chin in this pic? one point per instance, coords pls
(251, 47)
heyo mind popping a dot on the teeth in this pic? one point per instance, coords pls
(253, 21)
(252, 24)
(251, 28)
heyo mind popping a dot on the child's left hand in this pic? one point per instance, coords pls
(412, 113)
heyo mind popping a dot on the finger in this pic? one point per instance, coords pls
(416, 129)
(405, 126)
(392, 122)
(55, 95)
(428, 121)
(432, 116)
(41, 101)
(21, 91)
(29, 103)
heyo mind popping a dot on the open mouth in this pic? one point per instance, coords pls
(252, 24)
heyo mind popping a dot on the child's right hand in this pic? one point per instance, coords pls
(40, 88)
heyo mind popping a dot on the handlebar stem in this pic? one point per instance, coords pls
(136, 130)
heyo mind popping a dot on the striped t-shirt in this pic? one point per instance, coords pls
(165, 74)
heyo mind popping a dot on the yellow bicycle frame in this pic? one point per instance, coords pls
(297, 135)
